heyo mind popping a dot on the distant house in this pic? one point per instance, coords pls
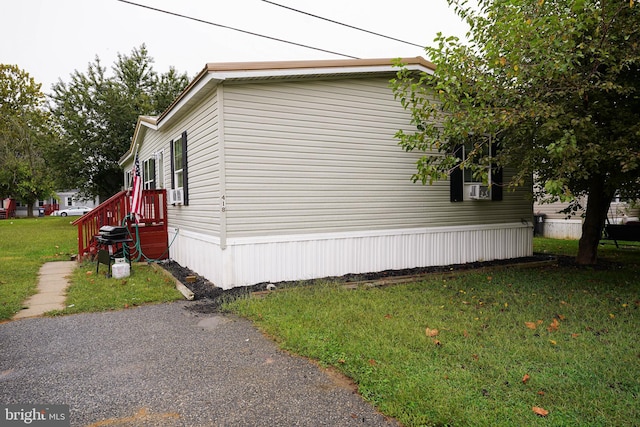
(69, 198)
(63, 199)
(283, 171)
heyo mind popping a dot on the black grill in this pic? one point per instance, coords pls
(112, 243)
(111, 233)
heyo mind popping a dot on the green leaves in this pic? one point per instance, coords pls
(25, 135)
(556, 83)
(97, 115)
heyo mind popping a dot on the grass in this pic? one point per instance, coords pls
(27, 243)
(454, 350)
(91, 292)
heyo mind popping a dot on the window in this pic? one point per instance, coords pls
(149, 174)
(465, 186)
(160, 166)
(179, 173)
(178, 167)
(69, 201)
(128, 180)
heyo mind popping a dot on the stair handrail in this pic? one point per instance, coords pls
(110, 212)
(114, 211)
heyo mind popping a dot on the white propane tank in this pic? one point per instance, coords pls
(120, 269)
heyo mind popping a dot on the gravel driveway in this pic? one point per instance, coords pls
(163, 365)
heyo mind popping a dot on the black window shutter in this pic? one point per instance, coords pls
(185, 173)
(496, 176)
(456, 185)
(173, 176)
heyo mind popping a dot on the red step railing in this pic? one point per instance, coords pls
(114, 211)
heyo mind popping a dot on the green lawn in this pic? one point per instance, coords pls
(457, 350)
(26, 244)
(90, 292)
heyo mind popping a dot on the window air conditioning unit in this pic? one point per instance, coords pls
(479, 192)
(176, 196)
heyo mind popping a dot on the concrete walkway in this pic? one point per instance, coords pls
(52, 286)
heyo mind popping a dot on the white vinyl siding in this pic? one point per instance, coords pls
(201, 124)
(320, 156)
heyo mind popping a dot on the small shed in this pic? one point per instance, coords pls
(279, 171)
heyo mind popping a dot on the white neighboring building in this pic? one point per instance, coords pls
(65, 198)
(557, 225)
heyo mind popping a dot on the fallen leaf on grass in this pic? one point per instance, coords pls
(431, 332)
(372, 362)
(387, 316)
(540, 411)
(575, 335)
(525, 378)
(437, 343)
(553, 326)
(540, 393)
(530, 325)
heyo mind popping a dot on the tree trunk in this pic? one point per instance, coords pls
(29, 210)
(598, 203)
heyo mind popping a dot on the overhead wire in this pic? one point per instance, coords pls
(343, 24)
(179, 15)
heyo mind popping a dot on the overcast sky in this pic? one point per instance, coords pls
(51, 38)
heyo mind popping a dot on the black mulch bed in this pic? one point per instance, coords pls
(209, 298)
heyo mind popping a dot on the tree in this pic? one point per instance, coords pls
(97, 114)
(25, 135)
(554, 84)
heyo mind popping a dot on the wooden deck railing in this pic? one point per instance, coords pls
(114, 211)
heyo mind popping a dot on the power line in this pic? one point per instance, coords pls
(343, 24)
(235, 29)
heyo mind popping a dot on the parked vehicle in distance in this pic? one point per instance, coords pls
(71, 211)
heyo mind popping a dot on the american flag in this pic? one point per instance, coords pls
(136, 193)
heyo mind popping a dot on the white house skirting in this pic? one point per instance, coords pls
(198, 252)
(247, 261)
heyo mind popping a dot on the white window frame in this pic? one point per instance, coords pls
(149, 174)
(178, 177)
(160, 168)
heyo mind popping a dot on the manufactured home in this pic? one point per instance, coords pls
(279, 171)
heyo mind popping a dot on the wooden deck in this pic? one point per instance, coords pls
(151, 232)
